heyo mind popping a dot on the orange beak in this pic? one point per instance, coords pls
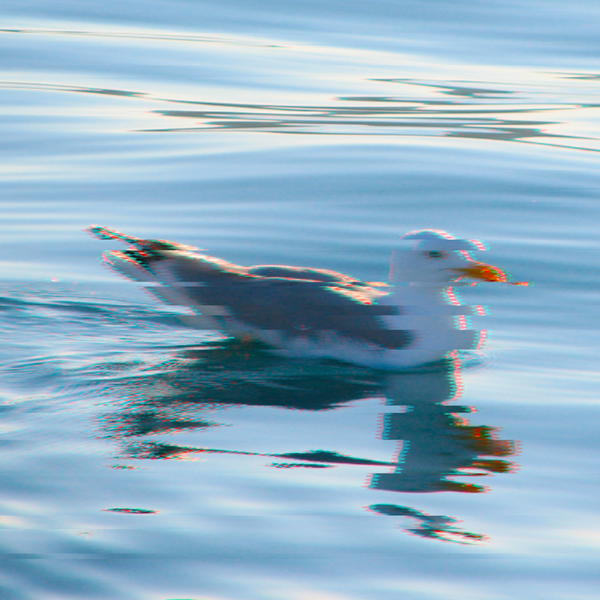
(483, 272)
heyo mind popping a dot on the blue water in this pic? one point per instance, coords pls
(146, 460)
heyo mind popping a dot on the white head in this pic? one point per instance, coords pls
(434, 256)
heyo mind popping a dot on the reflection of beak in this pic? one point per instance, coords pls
(483, 272)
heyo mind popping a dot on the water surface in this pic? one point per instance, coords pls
(147, 460)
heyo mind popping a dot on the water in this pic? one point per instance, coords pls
(310, 134)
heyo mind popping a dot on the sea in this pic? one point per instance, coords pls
(144, 459)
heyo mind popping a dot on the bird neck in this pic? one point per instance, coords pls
(417, 294)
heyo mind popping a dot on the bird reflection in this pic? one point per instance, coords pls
(440, 527)
(435, 442)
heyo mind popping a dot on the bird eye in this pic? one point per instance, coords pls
(435, 254)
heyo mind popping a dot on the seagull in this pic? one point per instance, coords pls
(413, 320)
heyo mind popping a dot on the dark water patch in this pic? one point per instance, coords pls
(456, 90)
(136, 423)
(439, 527)
(419, 117)
(157, 450)
(298, 466)
(52, 87)
(473, 112)
(326, 456)
(233, 376)
(584, 76)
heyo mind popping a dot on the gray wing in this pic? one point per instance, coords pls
(294, 306)
(291, 300)
(301, 273)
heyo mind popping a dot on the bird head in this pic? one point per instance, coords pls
(434, 256)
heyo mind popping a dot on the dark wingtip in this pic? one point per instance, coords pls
(103, 233)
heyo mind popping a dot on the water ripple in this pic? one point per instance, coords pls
(448, 110)
(154, 37)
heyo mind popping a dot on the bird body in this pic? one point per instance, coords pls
(317, 313)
